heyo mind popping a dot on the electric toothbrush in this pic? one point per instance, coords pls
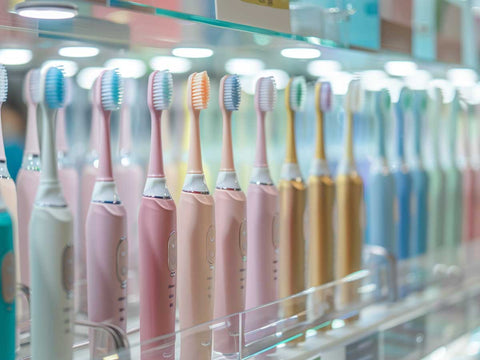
(292, 206)
(349, 203)
(196, 235)
(51, 239)
(381, 190)
(7, 246)
(129, 177)
(420, 182)
(453, 184)
(231, 228)
(67, 174)
(262, 221)
(436, 193)
(157, 234)
(106, 227)
(28, 176)
(468, 227)
(403, 181)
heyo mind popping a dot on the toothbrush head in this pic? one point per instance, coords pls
(296, 93)
(199, 90)
(419, 100)
(405, 98)
(265, 94)
(354, 98)
(160, 88)
(231, 92)
(129, 92)
(54, 90)
(31, 87)
(68, 91)
(111, 90)
(324, 95)
(383, 101)
(3, 84)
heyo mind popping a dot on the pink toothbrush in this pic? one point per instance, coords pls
(157, 236)
(67, 174)
(262, 222)
(106, 227)
(28, 177)
(196, 235)
(231, 229)
(129, 177)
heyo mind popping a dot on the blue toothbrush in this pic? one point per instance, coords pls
(381, 190)
(403, 182)
(418, 243)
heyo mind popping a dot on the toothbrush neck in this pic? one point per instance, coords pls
(381, 151)
(227, 151)
(261, 148)
(105, 172)
(348, 155)
(125, 136)
(3, 158)
(48, 174)
(31, 140)
(418, 133)
(400, 132)
(61, 136)
(155, 166)
(194, 165)
(320, 145)
(95, 130)
(453, 135)
(291, 154)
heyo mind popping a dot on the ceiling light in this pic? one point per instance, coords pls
(174, 64)
(373, 80)
(69, 67)
(249, 82)
(78, 51)
(244, 66)
(419, 80)
(194, 53)
(15, 56)
(400, 68)
(49, 10)
(323, 67)
(461, 77)
(86, 77)
(129, 68)
(301, 53)
(340, 81)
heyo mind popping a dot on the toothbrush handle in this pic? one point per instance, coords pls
(230, 267)
(381, 200)
(321, 198)
(52, 279)
(27, 185)
(107, 270)
(403, 187)
(196, 266)
(292, 246)
(420, 212)
(7, 288)
(468, 204)
(436, 203)
(350, 230)
(453, 193)
(157, 239)
(262, 258)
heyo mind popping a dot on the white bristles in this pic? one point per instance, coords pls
(129, 92)
(3, 84)
(200, 91)
(354, 97)
(162, 90)
(267, 93)
(34, 86)
(298, 93)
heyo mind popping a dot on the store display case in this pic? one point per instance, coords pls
(392, 308)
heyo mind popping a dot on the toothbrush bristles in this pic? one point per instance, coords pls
(112, 90)
(325, 96)
(354, 97)
(200, 91)
(3, 84)
(232, 93)
(162, 90)
(54, 88)
(267, 93)
(298, 93)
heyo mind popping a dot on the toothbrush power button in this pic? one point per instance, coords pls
(211, 245)
(122, 261)
(8, 277)
(68, 269)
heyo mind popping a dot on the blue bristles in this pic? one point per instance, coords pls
(232, 93)
(54, 88)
